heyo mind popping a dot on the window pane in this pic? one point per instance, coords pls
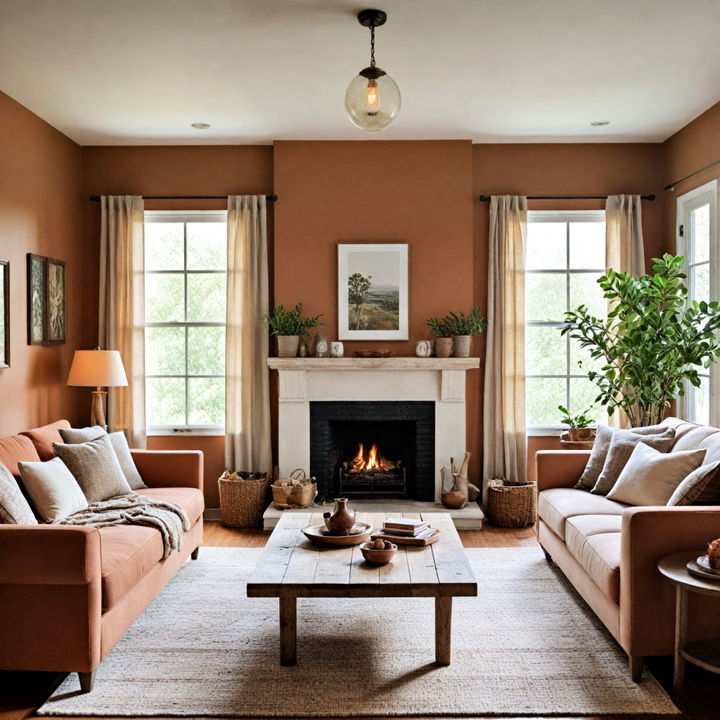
(700, 282)
(206, 398)
(587, 245)
(543, 395)
(584, 290)
(545, 351)
(165, 401)
(164, 298)
(206, 351)
(206, 297)
(582, 396)
(206, 246)
(546, 246)
(700, 234)
(545, 297)
(164, 246)
(165, 351)
(698, 402)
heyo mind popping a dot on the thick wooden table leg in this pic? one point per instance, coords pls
(288, 631)
(680, 633)
(443, 629)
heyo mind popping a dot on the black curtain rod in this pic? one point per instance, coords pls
(672, 185)
(271, 198)
(486, 198)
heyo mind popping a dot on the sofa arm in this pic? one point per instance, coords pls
(170, 468)
(559, 468)
(647, 599)
(49, 555)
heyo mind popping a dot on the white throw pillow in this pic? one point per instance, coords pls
(53, 489)
(651, 477)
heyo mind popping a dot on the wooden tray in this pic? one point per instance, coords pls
(318, 535)
(404, 540)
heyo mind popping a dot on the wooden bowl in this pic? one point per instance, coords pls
(378, 557)
(319, 535)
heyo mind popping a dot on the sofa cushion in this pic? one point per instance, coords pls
(189, 499)
(129, 552)
(14, 508)
(595, 542)
(556, 505)
(17, 448)
(43, 438)
(702, 487)
(53, 489)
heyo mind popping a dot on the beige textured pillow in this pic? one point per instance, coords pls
(600, 448)
(14, 508)
(54, 491)
(74, 436)
(96, 468)
(651, 477)
(621, 447)
(701, 487)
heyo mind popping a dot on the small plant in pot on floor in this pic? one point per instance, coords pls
(463, 327)
(578, 425)
(440, 328)
(288, 326)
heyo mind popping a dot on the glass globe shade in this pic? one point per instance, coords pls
(372, 104)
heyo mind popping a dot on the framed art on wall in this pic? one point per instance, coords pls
(55, 308)
(373, 291)
(4, 314)
(46, 300)
(36, 298)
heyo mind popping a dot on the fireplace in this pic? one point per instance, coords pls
(373, 449)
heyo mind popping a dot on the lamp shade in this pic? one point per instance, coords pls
(97, 368)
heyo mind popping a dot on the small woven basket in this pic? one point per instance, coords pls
(297, 491)
(242, 501)
(511, 505)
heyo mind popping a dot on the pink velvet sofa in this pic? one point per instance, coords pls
(610, 551)
(68, 594)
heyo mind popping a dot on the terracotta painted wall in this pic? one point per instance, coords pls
(40, 213)
(169, 170)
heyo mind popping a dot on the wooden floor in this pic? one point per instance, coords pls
(22, 693)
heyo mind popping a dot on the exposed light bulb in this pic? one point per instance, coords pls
(371, 95)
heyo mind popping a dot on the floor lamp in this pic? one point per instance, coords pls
(99, 369)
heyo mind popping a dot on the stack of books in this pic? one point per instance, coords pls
(401, 527)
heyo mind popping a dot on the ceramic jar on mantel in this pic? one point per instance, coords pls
(423, 348)
(443, 347)
(288, 345)
(461, 345)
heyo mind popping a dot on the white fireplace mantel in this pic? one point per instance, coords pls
(306, 380)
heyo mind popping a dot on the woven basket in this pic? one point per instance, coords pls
(298, 495)
(511, 505)
(242, 501)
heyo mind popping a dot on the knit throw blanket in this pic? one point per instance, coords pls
(134, 509)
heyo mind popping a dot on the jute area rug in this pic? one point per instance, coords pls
(527, 645)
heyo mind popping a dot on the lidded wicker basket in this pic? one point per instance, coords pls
(511, 505)
(243, 498)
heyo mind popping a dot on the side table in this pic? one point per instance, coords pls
(703, 653)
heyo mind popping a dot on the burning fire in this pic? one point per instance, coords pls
(373, 460)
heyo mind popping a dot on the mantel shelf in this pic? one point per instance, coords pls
(383, 364)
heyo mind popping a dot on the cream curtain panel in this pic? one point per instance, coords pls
(624, 250)
(247, 385)
(122, 309)
(504, 443)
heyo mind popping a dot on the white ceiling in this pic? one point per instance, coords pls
(109, 72)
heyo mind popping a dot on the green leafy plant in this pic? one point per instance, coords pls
(440, 327)
(290, 322)
(651, 342)
(579, 421)
(471, 324)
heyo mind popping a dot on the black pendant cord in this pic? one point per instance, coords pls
(372, 46)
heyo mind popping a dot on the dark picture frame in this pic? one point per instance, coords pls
(45, 300)
(4, 314)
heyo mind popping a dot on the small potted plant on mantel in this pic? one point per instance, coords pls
(288, 326)
(463, 327)
(579, 429)
(440, 328)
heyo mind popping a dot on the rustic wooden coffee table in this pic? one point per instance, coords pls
(291, 568)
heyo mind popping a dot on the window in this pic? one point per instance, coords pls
(185, 277)
(697, 240)
(565, 257)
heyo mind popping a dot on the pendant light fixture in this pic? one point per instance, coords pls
(372, 99)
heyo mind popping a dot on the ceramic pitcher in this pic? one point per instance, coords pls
(342, 520)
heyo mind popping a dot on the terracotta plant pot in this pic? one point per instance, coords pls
(462, 345)
(288, 345)
(443, 347)
(581, 434)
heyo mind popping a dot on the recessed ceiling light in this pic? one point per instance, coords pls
(201, 126)
(600, 123)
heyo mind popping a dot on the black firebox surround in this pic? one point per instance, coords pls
(324, 417)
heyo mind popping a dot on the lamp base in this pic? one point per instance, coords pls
(97, 409)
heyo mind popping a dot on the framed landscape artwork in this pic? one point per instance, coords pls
(46, 300)
(373, 291)
(4, 314)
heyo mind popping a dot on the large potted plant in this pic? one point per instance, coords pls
(440, 328)
(462, 327)
(288, 326)
(651, 342)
